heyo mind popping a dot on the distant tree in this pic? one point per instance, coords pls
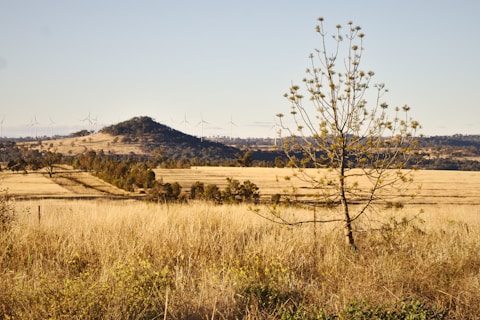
(279, 162)
(81, 133)
(18, 164)
(245, 159)
(338, 129)
(50, 160)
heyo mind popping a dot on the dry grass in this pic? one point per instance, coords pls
(118, 259)
(30, 184)
(436, 187)
(77, 145)
(128, 259)
(66, 183)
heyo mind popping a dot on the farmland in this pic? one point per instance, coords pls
(430, 187)
(88, 256)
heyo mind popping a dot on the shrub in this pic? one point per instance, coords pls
(213, 193)
(236, 192)
(197, 190)
(165, 192)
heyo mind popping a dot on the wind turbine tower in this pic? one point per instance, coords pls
(278, 131)
(231, 123)
(202, 122)
(35, 124)
(185, 122)
(51, 127)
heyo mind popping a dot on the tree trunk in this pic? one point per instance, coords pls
(347, 227)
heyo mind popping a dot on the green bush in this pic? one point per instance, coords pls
(213, 193)
(165, 192)
(236, 192)
(197, 190)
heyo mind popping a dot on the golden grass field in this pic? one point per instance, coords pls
(118, 259)
(77, 145)
(436, 187)
(66, 183)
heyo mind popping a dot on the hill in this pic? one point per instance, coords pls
(139, 137)
(154, 138)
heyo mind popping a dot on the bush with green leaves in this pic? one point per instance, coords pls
(197, 190)
(165, 192)
(236, 192)
(213, 193)
(125, 174)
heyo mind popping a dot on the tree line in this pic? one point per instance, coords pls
(127, 174)
(136, 175)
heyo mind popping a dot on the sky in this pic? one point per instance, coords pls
(221, 67)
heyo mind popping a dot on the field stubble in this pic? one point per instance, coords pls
(429, 186)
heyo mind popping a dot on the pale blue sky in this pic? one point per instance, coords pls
(61, 61)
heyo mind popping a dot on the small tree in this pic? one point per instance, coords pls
(50, 160)
(245, 159)
(339, 130)
(164, 192)
(236, 192)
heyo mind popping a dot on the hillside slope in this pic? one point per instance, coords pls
(156, 138)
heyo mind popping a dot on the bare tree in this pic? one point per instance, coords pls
(345, 136)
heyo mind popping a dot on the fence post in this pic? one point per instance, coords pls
(39, 215)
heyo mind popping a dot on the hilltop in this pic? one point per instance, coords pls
(155, 138)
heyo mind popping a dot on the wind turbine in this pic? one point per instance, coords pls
(172, 122)
(51, 127)
(94, 124)
(34, 123)
(88, 118)
(185, 121)
(231, 123)
(278, 131)
(202, 122)
(91, 121)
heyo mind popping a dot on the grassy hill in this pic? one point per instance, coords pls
(139, 137)
(154, 137)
